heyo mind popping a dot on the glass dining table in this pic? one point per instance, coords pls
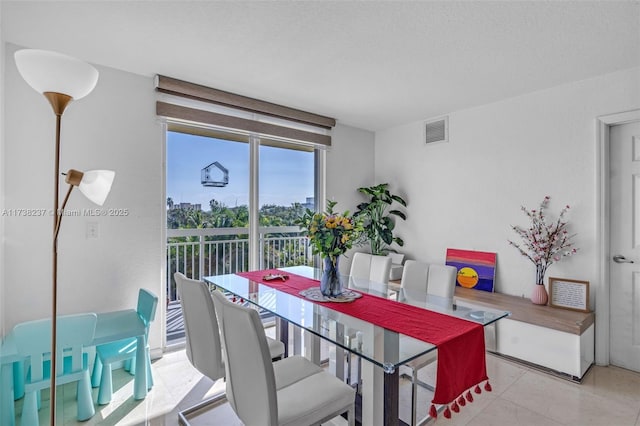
(382, 351)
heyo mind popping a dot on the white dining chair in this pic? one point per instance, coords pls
(369, 270)
(413, 284)
(419, 281)
(380, 268)
(442, 281)
(360, 265)
(367, 267)
(203, 343)
(289, 392)
(371, 267)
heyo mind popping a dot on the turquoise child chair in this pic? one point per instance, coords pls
(123, 351)
(33, 340)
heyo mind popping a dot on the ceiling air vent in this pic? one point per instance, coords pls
(436, 130)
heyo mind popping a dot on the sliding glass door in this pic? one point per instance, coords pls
(232, 200)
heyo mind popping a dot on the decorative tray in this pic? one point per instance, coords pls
(273, 277)
(313, 293)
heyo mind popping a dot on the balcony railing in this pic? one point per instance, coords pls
(213, 251)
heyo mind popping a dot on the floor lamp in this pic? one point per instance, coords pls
(61, 79)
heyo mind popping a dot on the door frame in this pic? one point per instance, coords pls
(603, 237)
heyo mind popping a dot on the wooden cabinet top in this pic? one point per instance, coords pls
(523, 310)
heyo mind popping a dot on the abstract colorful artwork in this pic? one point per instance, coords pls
(476, 269)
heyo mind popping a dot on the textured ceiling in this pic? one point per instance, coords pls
(369, 64)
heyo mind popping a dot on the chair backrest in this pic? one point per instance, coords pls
(442, 281)
(147, 303)
(360, 265)
(73, 333)
(371, 267)
(415, 276)
(251, 384)
(379, 270)
(204, 348)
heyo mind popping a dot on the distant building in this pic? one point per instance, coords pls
(310, 203)
(187, 206)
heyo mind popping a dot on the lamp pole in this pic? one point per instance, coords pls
(58, 102)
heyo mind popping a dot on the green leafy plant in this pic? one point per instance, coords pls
(377, 215)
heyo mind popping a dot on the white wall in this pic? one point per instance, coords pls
(350, 164)
(114, 127)
(466, 193)
(2, 158)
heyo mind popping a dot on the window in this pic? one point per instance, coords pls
(286, 187)
(213, 178)
(233, 195)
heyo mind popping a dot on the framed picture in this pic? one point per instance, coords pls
(476, 269)
(569, 294)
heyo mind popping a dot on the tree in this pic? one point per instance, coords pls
(222, 216)
(216, 206)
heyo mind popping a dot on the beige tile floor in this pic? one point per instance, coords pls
(608, 396)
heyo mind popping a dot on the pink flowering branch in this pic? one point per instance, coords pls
(544, 243)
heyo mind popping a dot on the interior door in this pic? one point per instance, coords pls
(625, 245)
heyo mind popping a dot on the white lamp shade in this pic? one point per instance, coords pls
(47, 71)
(96, 184)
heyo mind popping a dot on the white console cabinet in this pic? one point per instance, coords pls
(556, 339)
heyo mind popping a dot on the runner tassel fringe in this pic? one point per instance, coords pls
(461, 401)
(433, 413)
(447, 413)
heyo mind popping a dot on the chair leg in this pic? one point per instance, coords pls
(97, 372)
(106, 386)
(140, 388)
(86, 410)
(352, 415)
(414, 395)
(127, 366)
(183, 416)
(149, 375)
(349, 363)
(132, 365)
(30, 409)
(18, 379)
(7, 407)
(359, 378)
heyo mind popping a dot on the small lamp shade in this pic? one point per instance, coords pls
(96, 184)
(47, 71)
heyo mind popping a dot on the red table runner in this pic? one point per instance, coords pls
(460, 343)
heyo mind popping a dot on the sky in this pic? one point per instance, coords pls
(286, 176)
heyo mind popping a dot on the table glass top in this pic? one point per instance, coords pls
(383, 347)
